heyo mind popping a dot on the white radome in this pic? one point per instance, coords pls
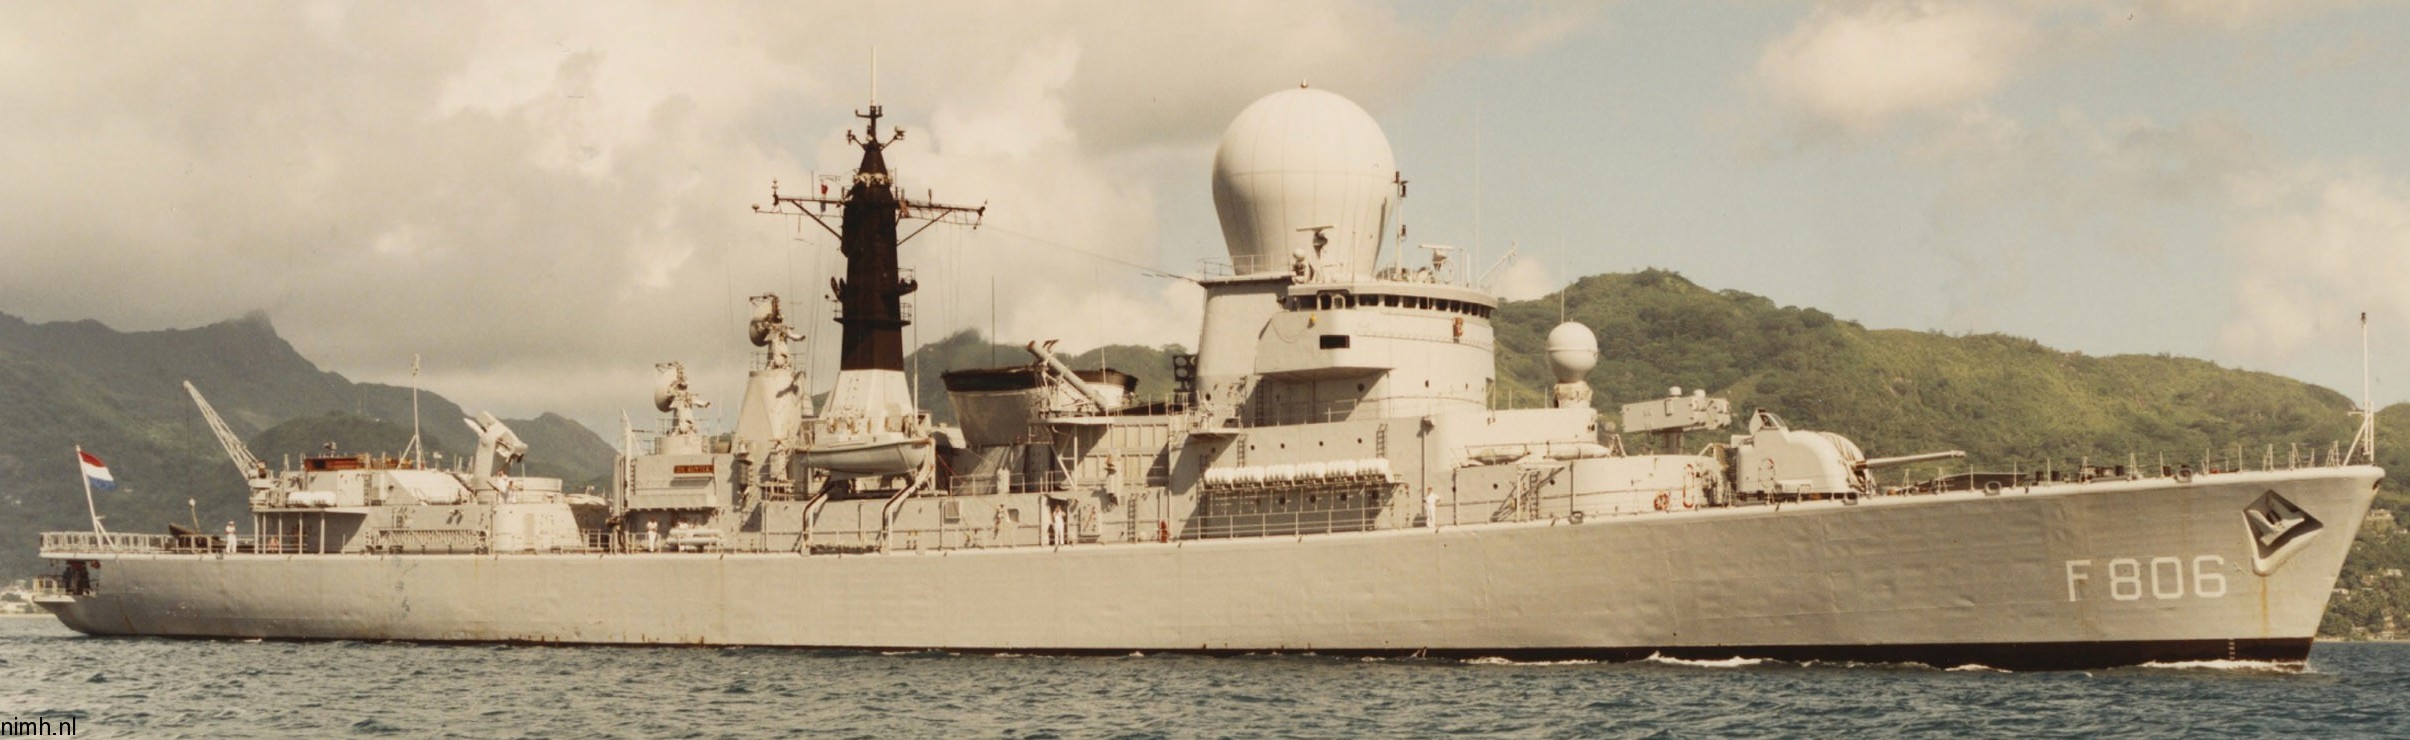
(1572, 351)
(1298, 159)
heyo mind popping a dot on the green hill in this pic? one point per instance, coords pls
(2010, 403)
(2006, 401)
(120, 395)
(966, 349)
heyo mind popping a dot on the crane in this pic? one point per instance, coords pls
(253, 471)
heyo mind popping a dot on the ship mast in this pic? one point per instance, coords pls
(2364, 442)
(870, 295)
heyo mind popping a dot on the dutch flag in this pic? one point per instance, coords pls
(96, 473)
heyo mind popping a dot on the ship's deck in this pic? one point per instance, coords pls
(68, 545)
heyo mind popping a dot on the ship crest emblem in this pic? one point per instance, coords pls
(2278, 529)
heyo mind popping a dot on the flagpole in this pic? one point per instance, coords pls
(89, 507)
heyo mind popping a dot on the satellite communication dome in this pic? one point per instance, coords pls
(1572, 351)
(1296, 160)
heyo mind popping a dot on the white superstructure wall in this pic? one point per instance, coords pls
(1235, 312)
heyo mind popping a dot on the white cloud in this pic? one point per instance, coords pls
(1523, 278)
(2020, 204)
(2076, 173)
(1087, 319)
(2321, 248)
(1857, 70)
(2229, 14)
(2021, 201)
(544, 199)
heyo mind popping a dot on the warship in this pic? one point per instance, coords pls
(1328, 475)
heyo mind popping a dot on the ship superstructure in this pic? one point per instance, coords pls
(1330, 474)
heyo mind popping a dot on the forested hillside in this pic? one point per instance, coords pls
(120, 395)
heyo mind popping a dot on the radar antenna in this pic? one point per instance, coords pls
(1437, 271)
(251, 468)
(769, 330)
(672, 395)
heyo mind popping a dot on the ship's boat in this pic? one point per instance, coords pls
(885, 452)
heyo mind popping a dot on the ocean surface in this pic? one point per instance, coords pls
(171, 688)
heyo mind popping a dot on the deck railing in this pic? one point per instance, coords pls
(50, 587)
(427, 540)
(1227, 517)
(115, 542)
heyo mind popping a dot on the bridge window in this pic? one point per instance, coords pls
(1335, 341)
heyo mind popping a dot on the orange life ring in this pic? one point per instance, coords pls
(1662, 500)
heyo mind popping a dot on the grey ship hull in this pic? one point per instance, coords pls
(2066, 577)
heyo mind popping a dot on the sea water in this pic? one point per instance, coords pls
(217, 688)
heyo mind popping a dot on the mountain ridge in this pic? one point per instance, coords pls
(120, 396)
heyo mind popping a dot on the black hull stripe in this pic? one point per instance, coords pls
(2012, 656)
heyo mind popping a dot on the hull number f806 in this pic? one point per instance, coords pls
(2163, 577)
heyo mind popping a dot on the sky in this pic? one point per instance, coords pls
(543, 200)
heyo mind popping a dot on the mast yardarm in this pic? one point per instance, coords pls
(870, 296)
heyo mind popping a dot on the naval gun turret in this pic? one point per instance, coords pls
(1776, 459)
